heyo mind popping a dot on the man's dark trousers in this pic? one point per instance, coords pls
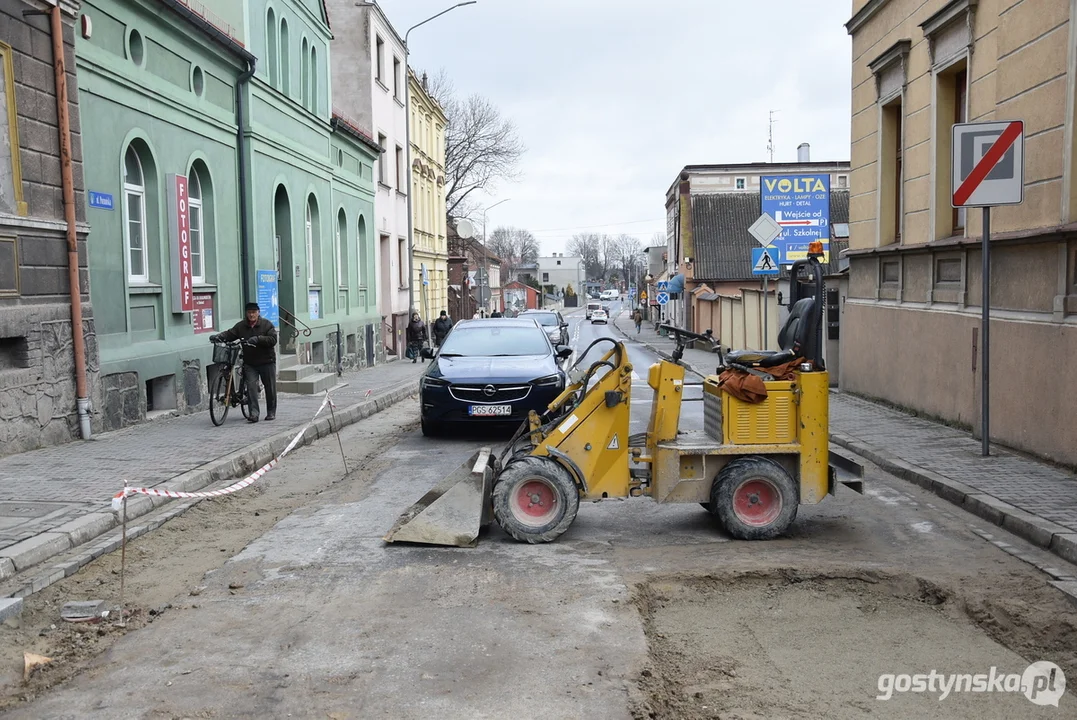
(268, 375)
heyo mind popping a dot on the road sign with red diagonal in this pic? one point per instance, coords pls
(988, 164)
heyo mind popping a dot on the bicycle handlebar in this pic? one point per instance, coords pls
(708, 336)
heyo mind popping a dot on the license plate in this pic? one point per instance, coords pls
(489, 410)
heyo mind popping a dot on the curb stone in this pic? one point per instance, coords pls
(1042, 533)
(89, 533)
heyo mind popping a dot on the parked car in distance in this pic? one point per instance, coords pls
(552, 322)
(591, 307)
(490, 371)
(611, 294)
(600, 316)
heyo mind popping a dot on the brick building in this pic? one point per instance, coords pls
(38, 373)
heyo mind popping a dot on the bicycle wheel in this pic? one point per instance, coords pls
(219, 399)
(241, 398)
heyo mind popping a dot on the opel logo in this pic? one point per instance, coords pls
(489, 391)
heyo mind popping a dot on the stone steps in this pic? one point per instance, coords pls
(309, 385)
(294, 372)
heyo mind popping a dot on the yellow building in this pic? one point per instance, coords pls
(911, 322)
(431, 293)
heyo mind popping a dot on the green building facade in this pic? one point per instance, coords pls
(278, 213)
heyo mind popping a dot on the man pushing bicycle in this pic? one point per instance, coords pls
(259, 358)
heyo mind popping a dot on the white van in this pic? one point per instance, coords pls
(592, 306)
(611, 294)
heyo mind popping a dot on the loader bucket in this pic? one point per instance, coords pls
(454, 511)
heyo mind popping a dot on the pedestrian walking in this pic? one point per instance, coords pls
(637, 317)
(442, 326)
(259, 358)
(416, 336)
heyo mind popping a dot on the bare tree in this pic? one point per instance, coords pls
(515, 247)
(629, 254)
(600, 254)
(481, 146)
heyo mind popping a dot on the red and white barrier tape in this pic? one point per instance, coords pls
(117, 499)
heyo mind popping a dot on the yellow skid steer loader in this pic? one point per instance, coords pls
(753, 464)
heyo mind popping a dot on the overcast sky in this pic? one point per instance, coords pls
(613, 97)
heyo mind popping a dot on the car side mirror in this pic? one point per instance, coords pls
(427, 353)
(564, 352)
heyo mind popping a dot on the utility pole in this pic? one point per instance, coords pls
(770, 135)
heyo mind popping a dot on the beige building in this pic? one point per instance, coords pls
(431, 293)
(911, 321)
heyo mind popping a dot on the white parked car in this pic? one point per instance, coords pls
(599, 316)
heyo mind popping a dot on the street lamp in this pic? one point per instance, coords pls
(485, 254)
(407, 120)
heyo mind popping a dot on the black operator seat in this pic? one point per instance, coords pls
(794, 336)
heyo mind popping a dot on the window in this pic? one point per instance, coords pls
(383, 171)
(342, 249)
(545, 277)
(741, 183)
(313, 243)
(197, 233)
(890, 177)
(402, 254)
(401, 170)
(558, 262)
(134, 203)
(271, 45)
(379, 49)
(360, 247)
(396, 78)
(304, 79)
(285, 65)
(313, 79)
(960, 115)
(843, 181)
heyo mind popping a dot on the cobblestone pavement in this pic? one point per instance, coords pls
(41, 490)
(932, 449)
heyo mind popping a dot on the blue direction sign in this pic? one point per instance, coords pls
(800, 204)
(101, 200)
(661, 298)
(765, 261)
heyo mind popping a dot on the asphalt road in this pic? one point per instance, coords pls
(639, 610)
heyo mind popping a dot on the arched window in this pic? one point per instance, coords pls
(313, 79)
(134, 205)
(285, 65)
(313, 242)
(305, 77)
(342, 249)
(200, 202)
(271, 45)
(360, 249)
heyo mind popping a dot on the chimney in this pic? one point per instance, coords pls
(425, 88)
(803, 152)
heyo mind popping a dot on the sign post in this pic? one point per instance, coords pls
(765, 260)
(987, 169)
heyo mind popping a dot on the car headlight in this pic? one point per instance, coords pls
(554, 380)
(432, 382)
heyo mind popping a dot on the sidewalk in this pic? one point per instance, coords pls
(1031, 499)
(57, 498)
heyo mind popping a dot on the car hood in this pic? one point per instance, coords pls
(517, 368)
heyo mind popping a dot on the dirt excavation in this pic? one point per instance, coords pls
(165, 568)
(284, 599)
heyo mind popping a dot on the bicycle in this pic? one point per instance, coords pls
(230, 387)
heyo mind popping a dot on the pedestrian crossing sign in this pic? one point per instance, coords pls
(765, 261)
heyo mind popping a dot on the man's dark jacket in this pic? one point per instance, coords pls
(263, 332)
(442, 326)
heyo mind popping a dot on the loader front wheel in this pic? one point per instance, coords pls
(535, 500)
(754, 498)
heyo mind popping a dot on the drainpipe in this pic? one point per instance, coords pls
(241, 156)
(68, 182)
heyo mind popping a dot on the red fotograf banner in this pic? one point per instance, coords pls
(183, 290)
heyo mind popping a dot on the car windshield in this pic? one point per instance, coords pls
(493, 341)
(545, 319)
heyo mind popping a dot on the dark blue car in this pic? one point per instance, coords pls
(490, 371)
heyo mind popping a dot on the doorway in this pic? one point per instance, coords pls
(282, 229)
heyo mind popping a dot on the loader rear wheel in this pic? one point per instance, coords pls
(754, 498)
(535, 500)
